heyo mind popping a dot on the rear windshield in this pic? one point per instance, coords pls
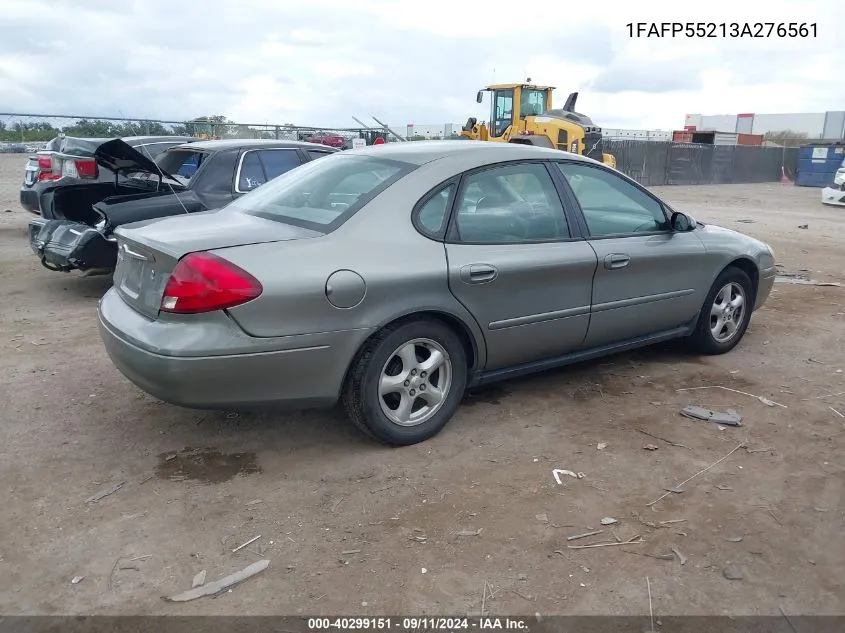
(182, 163)
(322, 194)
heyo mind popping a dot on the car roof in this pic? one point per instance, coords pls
(141, 140)
(241, 143)
(421, 152)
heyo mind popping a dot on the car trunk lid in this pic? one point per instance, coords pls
(149, 251)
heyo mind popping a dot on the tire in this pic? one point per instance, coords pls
(385, 414)
(708, 337)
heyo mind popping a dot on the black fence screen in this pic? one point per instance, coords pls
(663, 163)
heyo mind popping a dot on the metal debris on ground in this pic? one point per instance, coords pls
(470, 532)
(105, 492)
(221, 585)
(77, 579)
(724, 487)
(662, 439)
(349, 552)
(542, 517)
(254, 502)
(249, 542)
(634, 540)
(198, 580)
(557, 472)
(650, 447)
(729, 417)
(703, 470)
(681, 558)
(803, 226)
(836, 412)
(734, 539)
(732, 571)
(766, 401)
(601, 446)
(575, 537)
(609, 521)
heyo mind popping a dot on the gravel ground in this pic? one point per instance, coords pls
(352, 527)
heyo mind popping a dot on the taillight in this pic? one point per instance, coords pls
(81, 168)
(45, 169)
(203, 282)
(86, 168)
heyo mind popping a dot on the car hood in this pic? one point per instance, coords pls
(114, 154)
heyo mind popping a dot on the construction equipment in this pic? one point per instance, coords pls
(523, 113)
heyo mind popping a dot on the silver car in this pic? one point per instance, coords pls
(392, 278)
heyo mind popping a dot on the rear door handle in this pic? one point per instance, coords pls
(478, 273)
(616, 260)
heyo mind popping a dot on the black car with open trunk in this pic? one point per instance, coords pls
(76, 232)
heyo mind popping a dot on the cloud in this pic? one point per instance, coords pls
(325, 61)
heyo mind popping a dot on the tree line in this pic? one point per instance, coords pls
(22, 132)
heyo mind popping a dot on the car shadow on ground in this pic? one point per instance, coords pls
(327, 429)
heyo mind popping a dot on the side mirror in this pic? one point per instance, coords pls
(681, 222)
(479, 97)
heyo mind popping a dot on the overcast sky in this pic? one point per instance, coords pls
(407, 61)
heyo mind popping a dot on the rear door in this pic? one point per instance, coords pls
(649, 278)
(518, 263)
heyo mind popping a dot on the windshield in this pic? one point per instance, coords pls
(322, 194)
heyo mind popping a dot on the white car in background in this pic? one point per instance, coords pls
(835, 195)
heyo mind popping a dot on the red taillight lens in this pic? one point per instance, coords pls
(203, 282)
(86, 168)
(45, 169)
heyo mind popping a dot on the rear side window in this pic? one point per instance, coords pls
(278, 161)
(431, 216)
(181, 162)
(314, 153)
(151, 150)
(250, 174)
(322, 194)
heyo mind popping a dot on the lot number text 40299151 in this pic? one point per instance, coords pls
(722, 29)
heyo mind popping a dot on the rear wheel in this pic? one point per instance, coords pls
(725, 314)
(407, 382)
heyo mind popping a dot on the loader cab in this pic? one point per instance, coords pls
(511, 103)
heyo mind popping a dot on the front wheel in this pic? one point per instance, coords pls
(725, 314)
(407, 382)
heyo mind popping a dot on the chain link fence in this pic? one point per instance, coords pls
(23, 133)
(650, 157)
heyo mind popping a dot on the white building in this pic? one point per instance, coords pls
(443, 130)
(618, 134)
(826, 125)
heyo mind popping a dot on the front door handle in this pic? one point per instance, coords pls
(616, 260)
(478, 273)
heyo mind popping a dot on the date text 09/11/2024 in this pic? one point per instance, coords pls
(723, 29)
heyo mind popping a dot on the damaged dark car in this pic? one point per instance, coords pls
(189, 178)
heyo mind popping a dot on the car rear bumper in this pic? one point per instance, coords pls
(64, 245)
(29, 200)
(833, 196)
(293, 372)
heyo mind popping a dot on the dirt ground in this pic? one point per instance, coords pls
(471, 517)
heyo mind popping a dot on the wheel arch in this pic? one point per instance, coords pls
(469, 339)
(746, 265)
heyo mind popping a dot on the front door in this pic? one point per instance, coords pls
(649, 278)
(517, 267)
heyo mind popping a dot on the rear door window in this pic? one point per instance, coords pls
(322, 194)
(251, 173)
(278, 161)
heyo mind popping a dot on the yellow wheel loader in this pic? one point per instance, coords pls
(523, 113)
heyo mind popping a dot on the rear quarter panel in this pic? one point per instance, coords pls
(404, 272)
